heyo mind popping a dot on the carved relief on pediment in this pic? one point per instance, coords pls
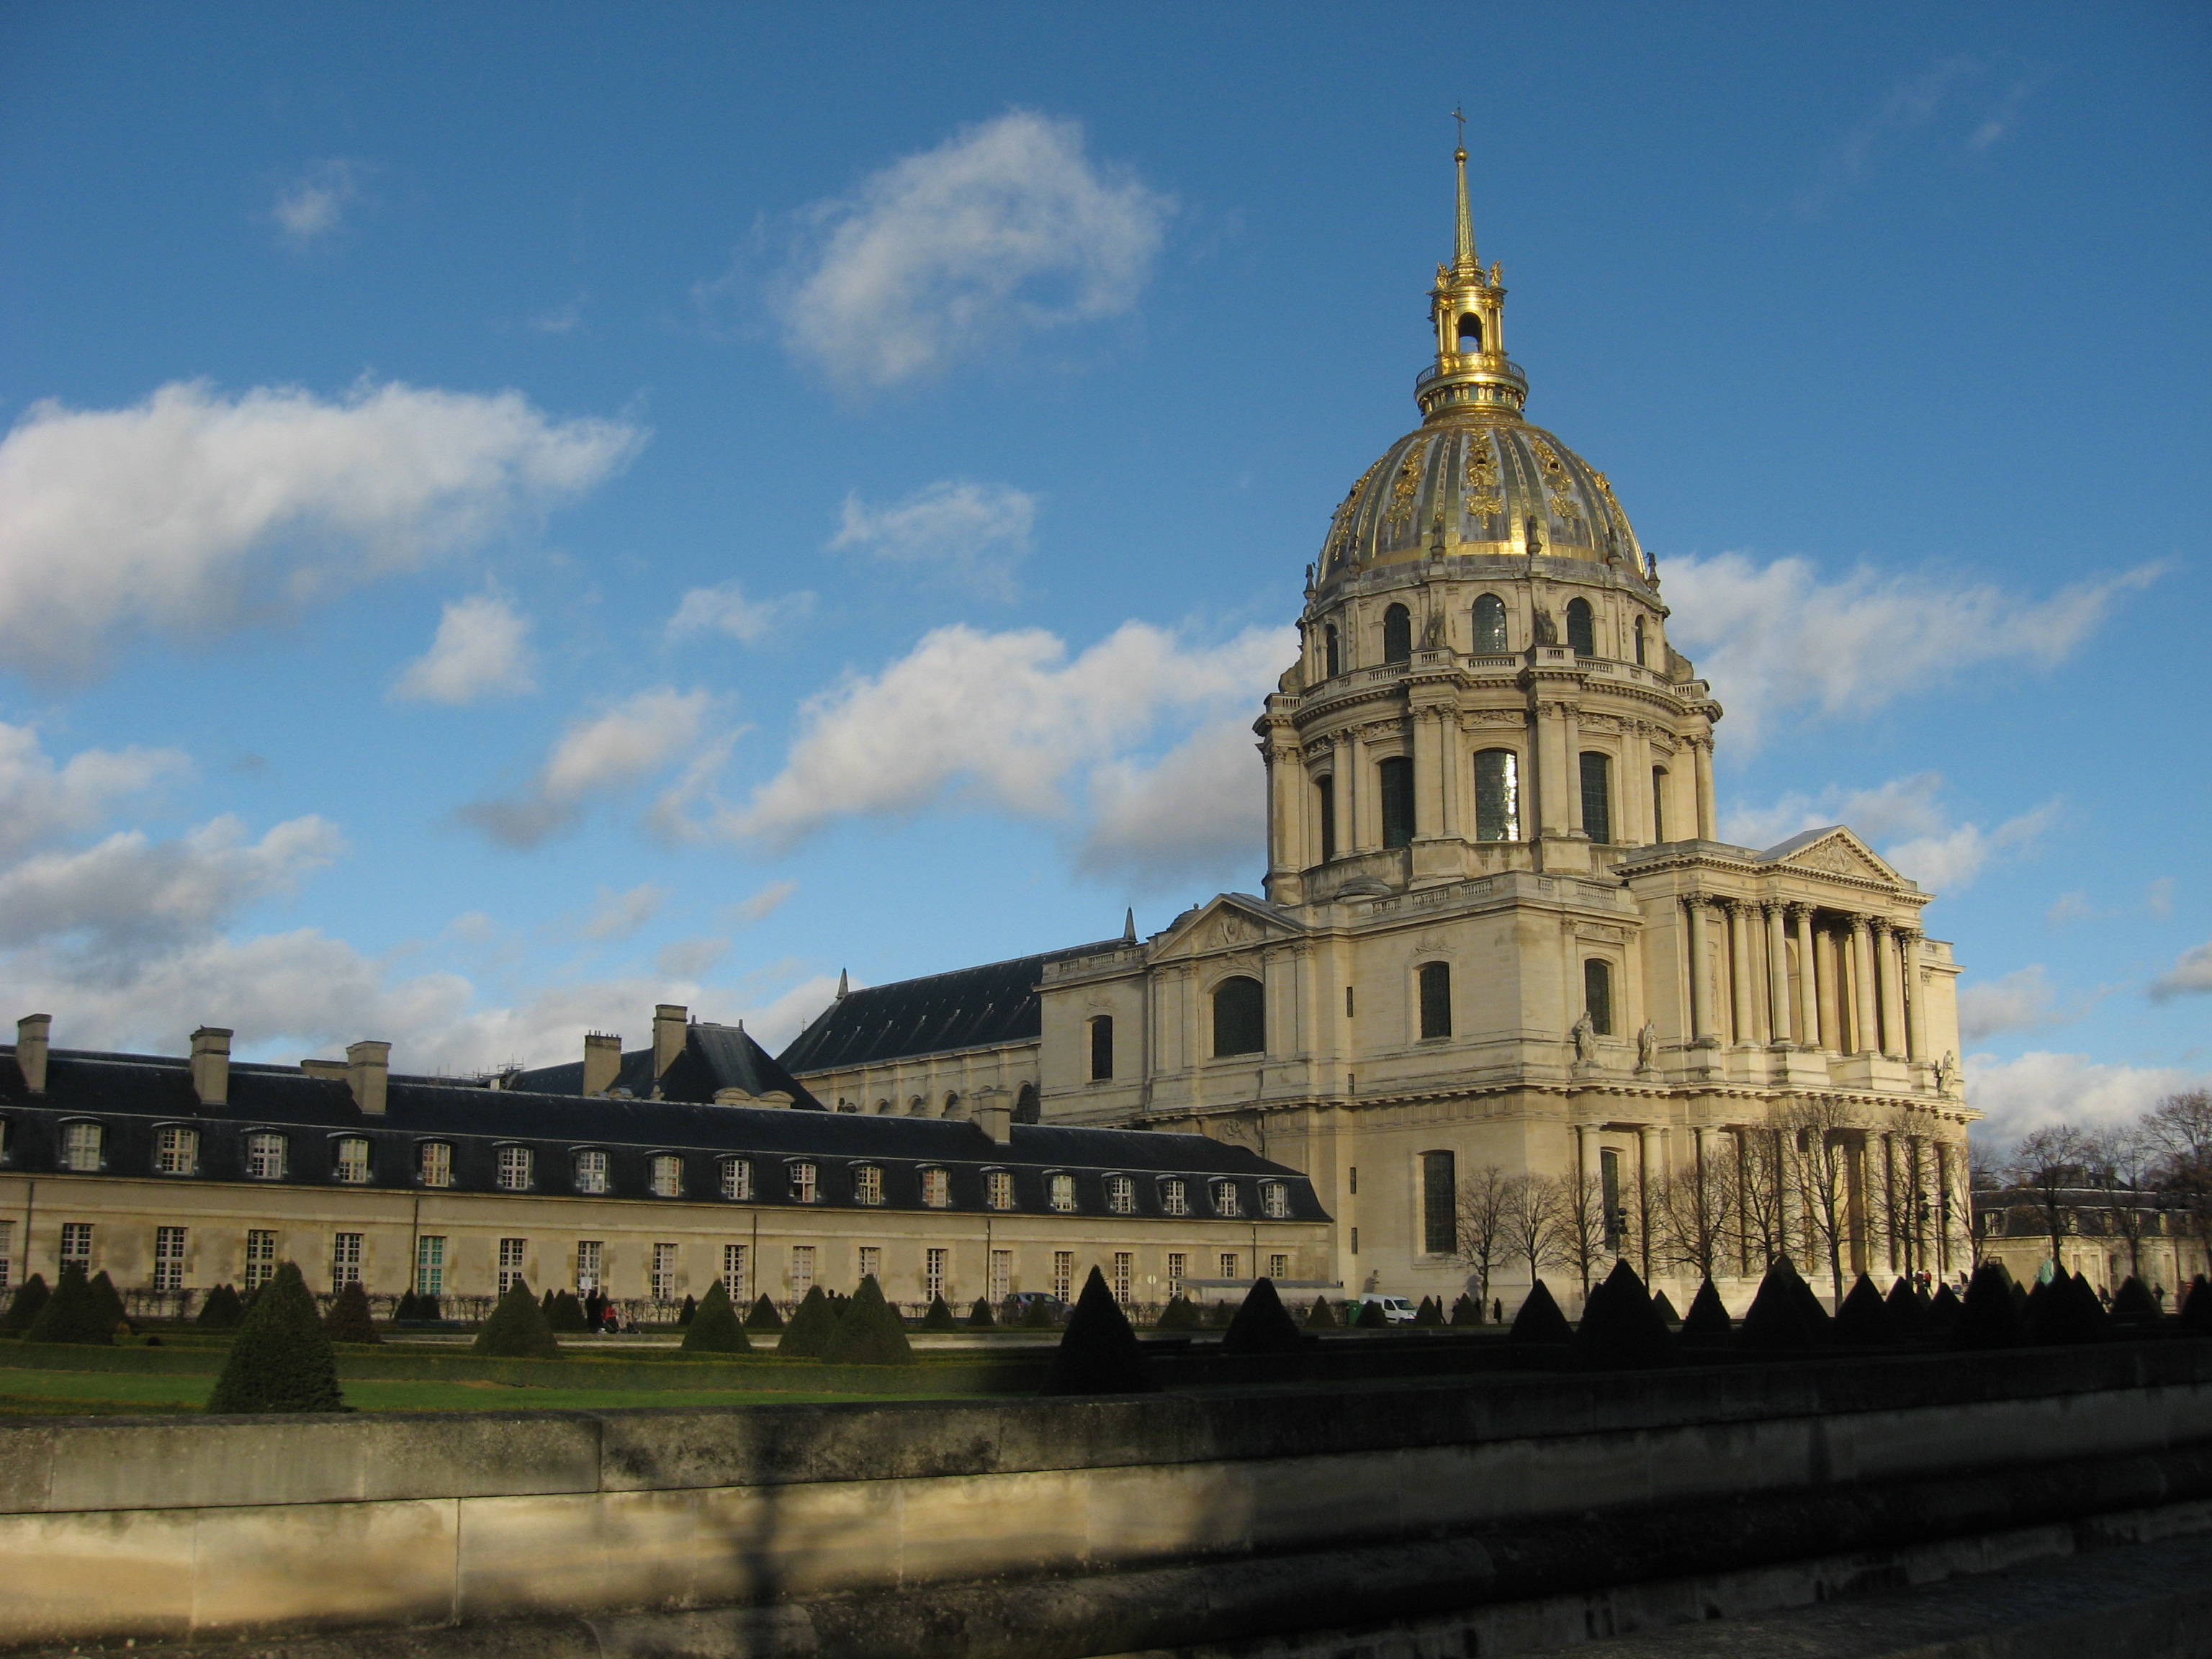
(1838, 856)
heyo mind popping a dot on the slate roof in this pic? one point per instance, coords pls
(967, 1008)
(714, 1058)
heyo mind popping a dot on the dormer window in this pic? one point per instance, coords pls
(1059, 1193)
(515, 1169)
(83, 1147)
(264, 1156)
(937, 1188)
(867, 1184)
(434, 1163)
(1224, 1198)
(664, 1173)
(349, 1161)
(176, 1151)
(1275, 1201)
(1175, 1196)
(1121, 1196)
(999, 1189)
(737, 1178)
(592, 1171)
(806, 1183)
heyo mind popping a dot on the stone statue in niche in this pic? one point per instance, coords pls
(1547, 631)
(1947, 1072)
(1432, 633)
(1647, 1047)
(1584, 1033)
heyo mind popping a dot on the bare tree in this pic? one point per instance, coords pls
(1530, 1209)
(1481, 1204)
(2180, 1126)
(1584, 1233)
(2048, 1166)
(1694, 1216)
(1762, 1197)
(1985, 1175)
(1818, 1148)
(2120, 1160)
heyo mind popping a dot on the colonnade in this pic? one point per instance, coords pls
(1776, 972)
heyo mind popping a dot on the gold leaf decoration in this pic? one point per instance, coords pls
(1406, 487)
(1480, 494)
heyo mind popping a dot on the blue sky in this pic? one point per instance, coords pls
(510, 515)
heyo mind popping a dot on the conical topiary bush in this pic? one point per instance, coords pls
(2197, 1310)
(1219, 1313)
(348, 1318)
(1262, 1324)
(1180, 1314)
(1371, 1317)
(1620, 1330)
(1038, 1316)
(1320, 1317)
(110, 1300)
(2134, 1308)
(74, 1313)
(1863, 1320)
(1664, 1309)
(1540, 1320)
(688, 1312)
(1908, 1309)
(2070, 1312)
(567, 1316)
(1430, 1313)
(280, 1361)
(408, 1308)
(2038, 1312)
(223, 1310)
(1943, 1309)
(871, 1332)
(30, 1296)
(762, 1315)
(1098, 1352)
(518, 1329)
(714, 1327)
(1707, 1326)
(1779, 1319)
(1467, 1311)
(938, 1317)
(1988, 1315)
(812, 1323)
(980, 1316)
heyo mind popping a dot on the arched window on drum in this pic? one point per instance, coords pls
(1490, 623)
(1397, 635)
(1581, 628)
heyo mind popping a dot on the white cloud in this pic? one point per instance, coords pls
(481, 650)
(637, 737)
(1906, 820)
(1197, 811)
(39, 801)
(775, 1023)
(998, 720)
(196, 513)
(2024, 1001)
(766, 902)
(617, 915)
(2038, 1089)
(561, 320)
(1006, 226)
(971, 535)
(1775, 640)
(314, 205)
(725, 609)
(688, 959)
(2189, 977)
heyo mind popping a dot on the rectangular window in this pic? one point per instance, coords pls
(82, 1144)
(349, 1161)
(7, 1255)
(1355, 1241)
(430, 1264)
(662, 1286)
(1597, 996)
(1060, 1189)
(1125, 1274)
(805, 1182)
(737, 1178)
(1435, 1000)
(999, 1189)
(1121, 1196)
(1063, 1274)
(1178, 1270)
(1278, 1267)
(590, 1259)
(345, 1259)
(1608, 1179)
(802, 1270)
(734, 1283)
(264, 1157)
(1224, 1198)
(1002, 1276)
(936, 1188)
(1439, 1204)
(1597, 796)
(932, 1272)
(168, 1258)
(514, 1168)
(260, 1257)
(1394, 781)
(591, 1173)
(867, 1185)
(1101, 1047)
(176, 1151)
(1658, 803)
(666, 1173)
(1275, 1201)
(872, 1263)
(1325, 810)
(1229, 1264)
(1497, 795)
(434, 1163)
(1175, 1196)
(510, 1262)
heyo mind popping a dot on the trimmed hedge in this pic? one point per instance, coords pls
(1863, 1321)
(567, 1316)
(1784, 1316)
(1180, 1314)
(75, 1312)
(1262, 1324)
(1467, 1310)
(348, 1318)
(714, 1327)
(518, 1329)
(1620, 1330)
(762, 1315)
(282, 1360)
(1707, 1324)
(871, 1332)
(980, 1316)
(1989, 1317)
(1320, 1316)
(223, 1310)
(939, 1318)
(1539, 1319)
(1098, 1353)
(30, 1296)
(812, 1324)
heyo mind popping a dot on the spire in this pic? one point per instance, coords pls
(1129, 925)
(1463, 259)
(1473, 375)
(843, 985)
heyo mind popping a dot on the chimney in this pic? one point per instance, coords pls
(602, 1061)
(31, 1050)
(668, 1036)
(993, 1113)
(211, 1066)
(368, 1067)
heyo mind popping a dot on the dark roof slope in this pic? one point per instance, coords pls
(967, 1008)
(714, 1058)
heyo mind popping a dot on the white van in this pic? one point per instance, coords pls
(1395, 1308)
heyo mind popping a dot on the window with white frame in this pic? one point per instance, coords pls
(802, 1270)
(7, 1255)
(345, 1259)
(510, 1262)
(176, 1151)
(932, 1272)
(260, 1257)
(591, 1173)
(168, 1258)
(1063, 1274)
(1178, 1270)
(872, 1263)
(433, 1163)
(734, 1265)
(867, 1184)
(806, 1183)
(1275, 1201)
(76, 1245)
(1229, 1264)
(737, 1177)
(999, 1189)
(665, 1171)
(516, 1166)
(937, 1188)
(1175, 1196)
(264, 1156)
(430, 1264)
(591, 1264)
(83, 1145)
(1002, 1276)
(1278, 1267)
(663, 1286)
(1060, 1190)
(1225, 1198)
(1125, 1274)
(350, 1160)
(1120, 1194)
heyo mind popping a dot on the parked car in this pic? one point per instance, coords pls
(1015, 1310)
(1395, 1308)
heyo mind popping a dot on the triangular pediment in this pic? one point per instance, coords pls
(1834, 851)
(1228, 921)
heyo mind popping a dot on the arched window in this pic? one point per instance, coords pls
(1658, 803)
(1325, 808)
(1334, 663)
(1597, 995)
(1240, 1017)
(1490, 623)
(1470, 332)
(1582, 629)
(1397, 635)
(1639, 641)
(1101, 1047)
(951, 1106)
(1436, 999)
(1497, 795)
(1395, 777)
(1597, 796)
(1025, 1105)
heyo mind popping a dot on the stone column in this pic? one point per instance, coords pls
(1452, 766)
(1286, 796)
(1651, 1170)
(1636, 788)
(1739, 926)
(1551, 805)
(1366, 825)
(1916, 1013)
(1703, 749)
(1866, 1019)
(1777, 975)
(1809, 988)
(1701, 974)
(1426, 773)
(1570, 736)
(1340, 766)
